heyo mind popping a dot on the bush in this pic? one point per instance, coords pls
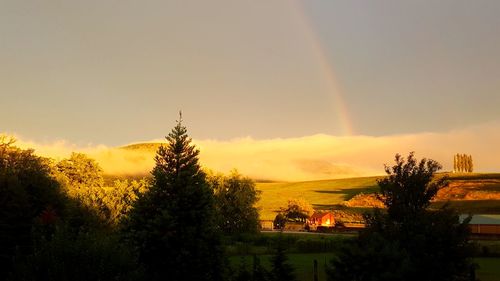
(75, 255)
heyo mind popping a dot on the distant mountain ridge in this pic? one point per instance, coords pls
(152, 146)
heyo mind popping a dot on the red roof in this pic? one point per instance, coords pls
(318, 215)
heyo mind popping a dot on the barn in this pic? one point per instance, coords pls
(321, 219)
(484, 224)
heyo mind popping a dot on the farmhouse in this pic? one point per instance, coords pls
(321, 219)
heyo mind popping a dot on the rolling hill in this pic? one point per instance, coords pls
(469, 193)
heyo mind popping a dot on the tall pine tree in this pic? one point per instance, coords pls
(172, 226)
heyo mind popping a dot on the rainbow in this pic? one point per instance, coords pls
(332, 86)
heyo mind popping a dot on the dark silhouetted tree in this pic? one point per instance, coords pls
(409, 187)
(279, 221)
(27, 191)
(259, 273)
(281, 269)
(172, 225)
(44, 234)
(409, 242)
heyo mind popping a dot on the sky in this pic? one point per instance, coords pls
(109, 73)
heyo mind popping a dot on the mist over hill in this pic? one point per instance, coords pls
(313, 157)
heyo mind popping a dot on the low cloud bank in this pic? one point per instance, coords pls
(305, 158)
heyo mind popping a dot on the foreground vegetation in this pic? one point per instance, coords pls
(304, 248)
(488, 269)
(59, 221)
(62, 220)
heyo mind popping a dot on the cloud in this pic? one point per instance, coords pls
(305, 158)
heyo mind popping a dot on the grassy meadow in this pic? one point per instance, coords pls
(324, 194)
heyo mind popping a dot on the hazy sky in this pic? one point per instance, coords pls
(115, 72)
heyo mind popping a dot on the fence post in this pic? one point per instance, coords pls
(315, 270)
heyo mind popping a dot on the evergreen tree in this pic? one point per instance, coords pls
(281, 269)
(172, 225)
(259, 273)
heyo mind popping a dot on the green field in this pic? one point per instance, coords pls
(329, 194)
(489, 269)
(304, 248)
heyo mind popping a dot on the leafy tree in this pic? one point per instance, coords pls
(409, 187)
(82, 179)
(45, 235)
(27, 191)
(120, 197)
(297, 210)
(172, 226)
(81, 171)
(409, 241)
(279, 221)
(235, 199)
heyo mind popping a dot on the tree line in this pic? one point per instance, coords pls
(462, 163)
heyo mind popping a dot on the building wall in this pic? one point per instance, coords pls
(485, 228)
(266, 224)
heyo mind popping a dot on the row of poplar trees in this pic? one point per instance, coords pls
(462, 163)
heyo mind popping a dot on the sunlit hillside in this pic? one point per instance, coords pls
(475, 193)
(324, 194)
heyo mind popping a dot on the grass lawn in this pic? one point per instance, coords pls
(489, 268)
(302, 263)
